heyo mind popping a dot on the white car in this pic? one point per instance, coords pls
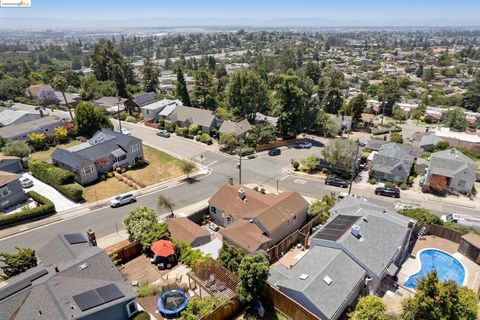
(401, 205)
(305, 145)
(122, 199)
(462, 219)
(26, 182)
(124, 131)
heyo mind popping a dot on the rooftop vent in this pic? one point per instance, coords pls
(303, 276)
(327, 280)
(241, 194)
(365, 219)
(83, 266)
(356, 231)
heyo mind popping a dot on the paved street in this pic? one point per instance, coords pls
(263, 171)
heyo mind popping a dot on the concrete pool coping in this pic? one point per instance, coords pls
(419, 262)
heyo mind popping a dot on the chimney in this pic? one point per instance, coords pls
(92, 238)
(56, 268)
(356, 231)
(230, 180)
(410, 224)
(241, 194)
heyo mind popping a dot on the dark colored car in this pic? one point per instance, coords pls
(388, 192)
(274, 152)
(337, 182)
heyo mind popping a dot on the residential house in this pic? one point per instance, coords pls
(10, 117)
(261, 118)
(453, 169)
(184, 116)
(112, 104)
(240, 129)
(105, 151)
(392, 162)
(11, 191)
(358, 247)
(184, 229)
(73, 280)
(134, 103)
(33, 91)
(256, 221)
(10, 164)
(72, 98)
(21, 131)
(151, 111)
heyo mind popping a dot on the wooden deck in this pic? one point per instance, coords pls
(140, 269)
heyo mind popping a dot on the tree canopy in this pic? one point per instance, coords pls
(230, 256)
(291, 105)
(13, 264)
(369, 308)
(253, 272)
(340, 153)
(455, 119)
(181, 88)
(88, 119)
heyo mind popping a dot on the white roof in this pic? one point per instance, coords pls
(160, 104)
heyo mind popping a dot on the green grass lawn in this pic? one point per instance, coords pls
(46, 155)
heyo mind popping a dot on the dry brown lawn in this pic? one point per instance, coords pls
(161, 167)
(104, 189)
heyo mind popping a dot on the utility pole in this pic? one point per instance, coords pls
(240, 166)
(118, 114)
(354, 167)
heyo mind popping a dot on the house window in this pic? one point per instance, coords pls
(213, 210)
(87, 170)
(461, 183)
(131, 308)
(147, 111)
(229, 220)
(4, 192)
(121, 158)
(135, 147)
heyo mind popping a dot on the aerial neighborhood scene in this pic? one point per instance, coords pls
(216, 160)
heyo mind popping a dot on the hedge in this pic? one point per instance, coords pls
(204, 138)
(45, 208)
(61, 179)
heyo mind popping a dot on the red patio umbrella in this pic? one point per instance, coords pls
(163, 248)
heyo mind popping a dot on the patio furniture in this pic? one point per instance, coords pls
(161, 266)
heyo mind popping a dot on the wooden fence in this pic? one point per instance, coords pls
(128, 252)
(286, 306)
(151, 124)
(470, 251)
(442, 232)
(276, 144)
(301, 235)
(226, 311)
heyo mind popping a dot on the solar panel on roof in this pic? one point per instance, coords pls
(75, 238)
(336, 228)
(110, 292)
(88, 300)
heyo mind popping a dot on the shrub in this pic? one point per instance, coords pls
(171, 127)
(131, 119)
(46, 207)
(81, 139)
(146, 290)
(118, 170)
(246, 151)
(49, 173)
(372, 181)
(110, 174)
(205, 138)
(142, 315)
(193, 129)
(295, 165)
(411, 180)
(129, 167)
(403, 186)
(252, 156)
(16, 148)
(389, 184)
(73, 191)
(423, 216)
(181, 131)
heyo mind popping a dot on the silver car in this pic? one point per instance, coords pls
(26, 182)
(122, 199)
(163, 133)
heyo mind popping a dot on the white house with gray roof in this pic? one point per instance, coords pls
(105, 151)
(458, 170)
(392, 162)
(359, 246)
(11, 116)
(73, 280)
(160, 108)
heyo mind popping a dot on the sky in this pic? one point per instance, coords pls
(374, 12)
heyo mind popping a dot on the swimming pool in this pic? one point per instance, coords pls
(448, 268)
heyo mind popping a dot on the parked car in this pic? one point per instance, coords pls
(305, 145)
(274, 152)
(337, 182)
(163, 133)
(122, 199)
(462, 219)
(26, 182)
(388, 192)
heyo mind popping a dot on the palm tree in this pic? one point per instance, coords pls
(166, 203)
(59, 83)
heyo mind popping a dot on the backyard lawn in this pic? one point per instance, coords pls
(46, 155)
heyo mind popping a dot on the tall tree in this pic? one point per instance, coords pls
(88, 120)
(340, 153)
(253, 272)
(60, 83)
(247, 94)
(389, 94)
(455, 119)
(471, 98)
(104, 57)
(13, 264)
(47, 96)
(331, 94)
(291, 105)
(181, 88)
(355, 107)
(120, 81)
(230, 257)
(204, 90)
(163, 202)
(150, 74)
(369, 308)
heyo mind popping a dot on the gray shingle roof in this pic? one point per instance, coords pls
(143, 99)
(29, 126)
(69, 158)
(51, 295)
(197, 116)
(390, 156)
(9, 116)
(317, 295)
(448, 162)
(238, 128)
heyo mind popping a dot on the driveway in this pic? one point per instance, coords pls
(61, 202)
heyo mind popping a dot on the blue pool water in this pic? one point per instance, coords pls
(448, 268)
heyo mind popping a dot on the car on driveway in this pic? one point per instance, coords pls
(163, 133)
(274, 152)
(26, 182)
(122, 199)
(337, 182)
(462, 219)
(305, 145)
(388, 192)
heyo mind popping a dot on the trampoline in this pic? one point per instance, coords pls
(172, 303)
